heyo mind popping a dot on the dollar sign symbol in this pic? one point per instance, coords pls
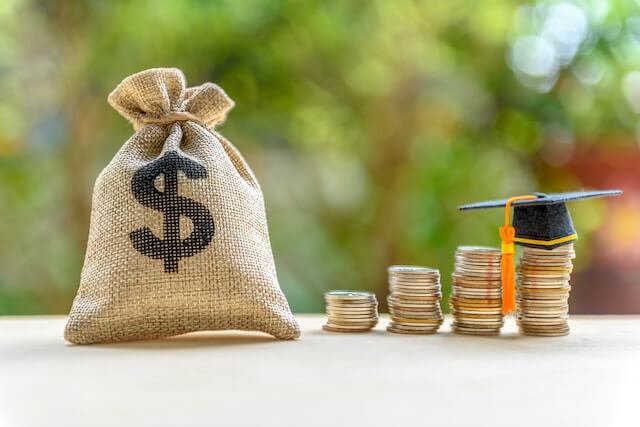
(171, 249)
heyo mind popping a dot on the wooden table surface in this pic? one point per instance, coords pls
(589, 378)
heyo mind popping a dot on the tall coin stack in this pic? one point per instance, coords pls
(350, 311)
(414, 300)
(476, 296)
(542, 291)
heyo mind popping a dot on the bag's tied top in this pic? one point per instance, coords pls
(160, 96)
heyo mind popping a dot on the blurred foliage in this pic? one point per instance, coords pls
(367, 123)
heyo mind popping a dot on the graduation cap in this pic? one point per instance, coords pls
(539, 221)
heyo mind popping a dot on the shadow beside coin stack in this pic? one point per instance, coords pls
(476, 291)
(414, 300)
(350, 311)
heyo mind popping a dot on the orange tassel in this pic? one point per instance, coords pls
(507, 235)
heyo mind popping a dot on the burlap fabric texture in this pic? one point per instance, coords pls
(178, 240)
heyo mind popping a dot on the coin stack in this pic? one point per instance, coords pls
(350, 311)
(476, 296)
(414, 300)
(542, 291)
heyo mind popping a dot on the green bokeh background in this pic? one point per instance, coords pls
(367, 124)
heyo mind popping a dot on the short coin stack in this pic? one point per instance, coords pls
(414, 300)
(476, 297)
(350, 311)
(542, 291)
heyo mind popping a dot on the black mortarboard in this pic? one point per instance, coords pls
(543, 221)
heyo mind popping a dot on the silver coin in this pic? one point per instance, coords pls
(395, 269)
(340, 294)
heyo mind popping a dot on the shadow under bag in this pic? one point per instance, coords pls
(178, 240)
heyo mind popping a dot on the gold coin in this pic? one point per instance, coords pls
(529, 288)
(463, 307)
(344, 321)
(426, 309)
(542, 285)
(481, 316)
(415, 285)
(544, 334)
(416, 321)
(539, 321)
(429, 317)
(476, 277)
(372, 310)
(495, 308)
(353, 316)
(471, 295)
(422, 309)
(553, 301)
(416, 297)
(352, 304)
(472, 331)
(478, 326)
(331, 328)
(456, 313)
(396, 330)
(497, 301)
(528, 309)
(533, 328)
(416, 315)
(406, 327)
(472, 306)
(542, 326)
(484, 268)
(549, 269)
(536, 314)
(408, 303)
(540, 296)
(476, 287)
(350, 325)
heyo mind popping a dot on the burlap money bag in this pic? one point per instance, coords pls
(178, 240)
